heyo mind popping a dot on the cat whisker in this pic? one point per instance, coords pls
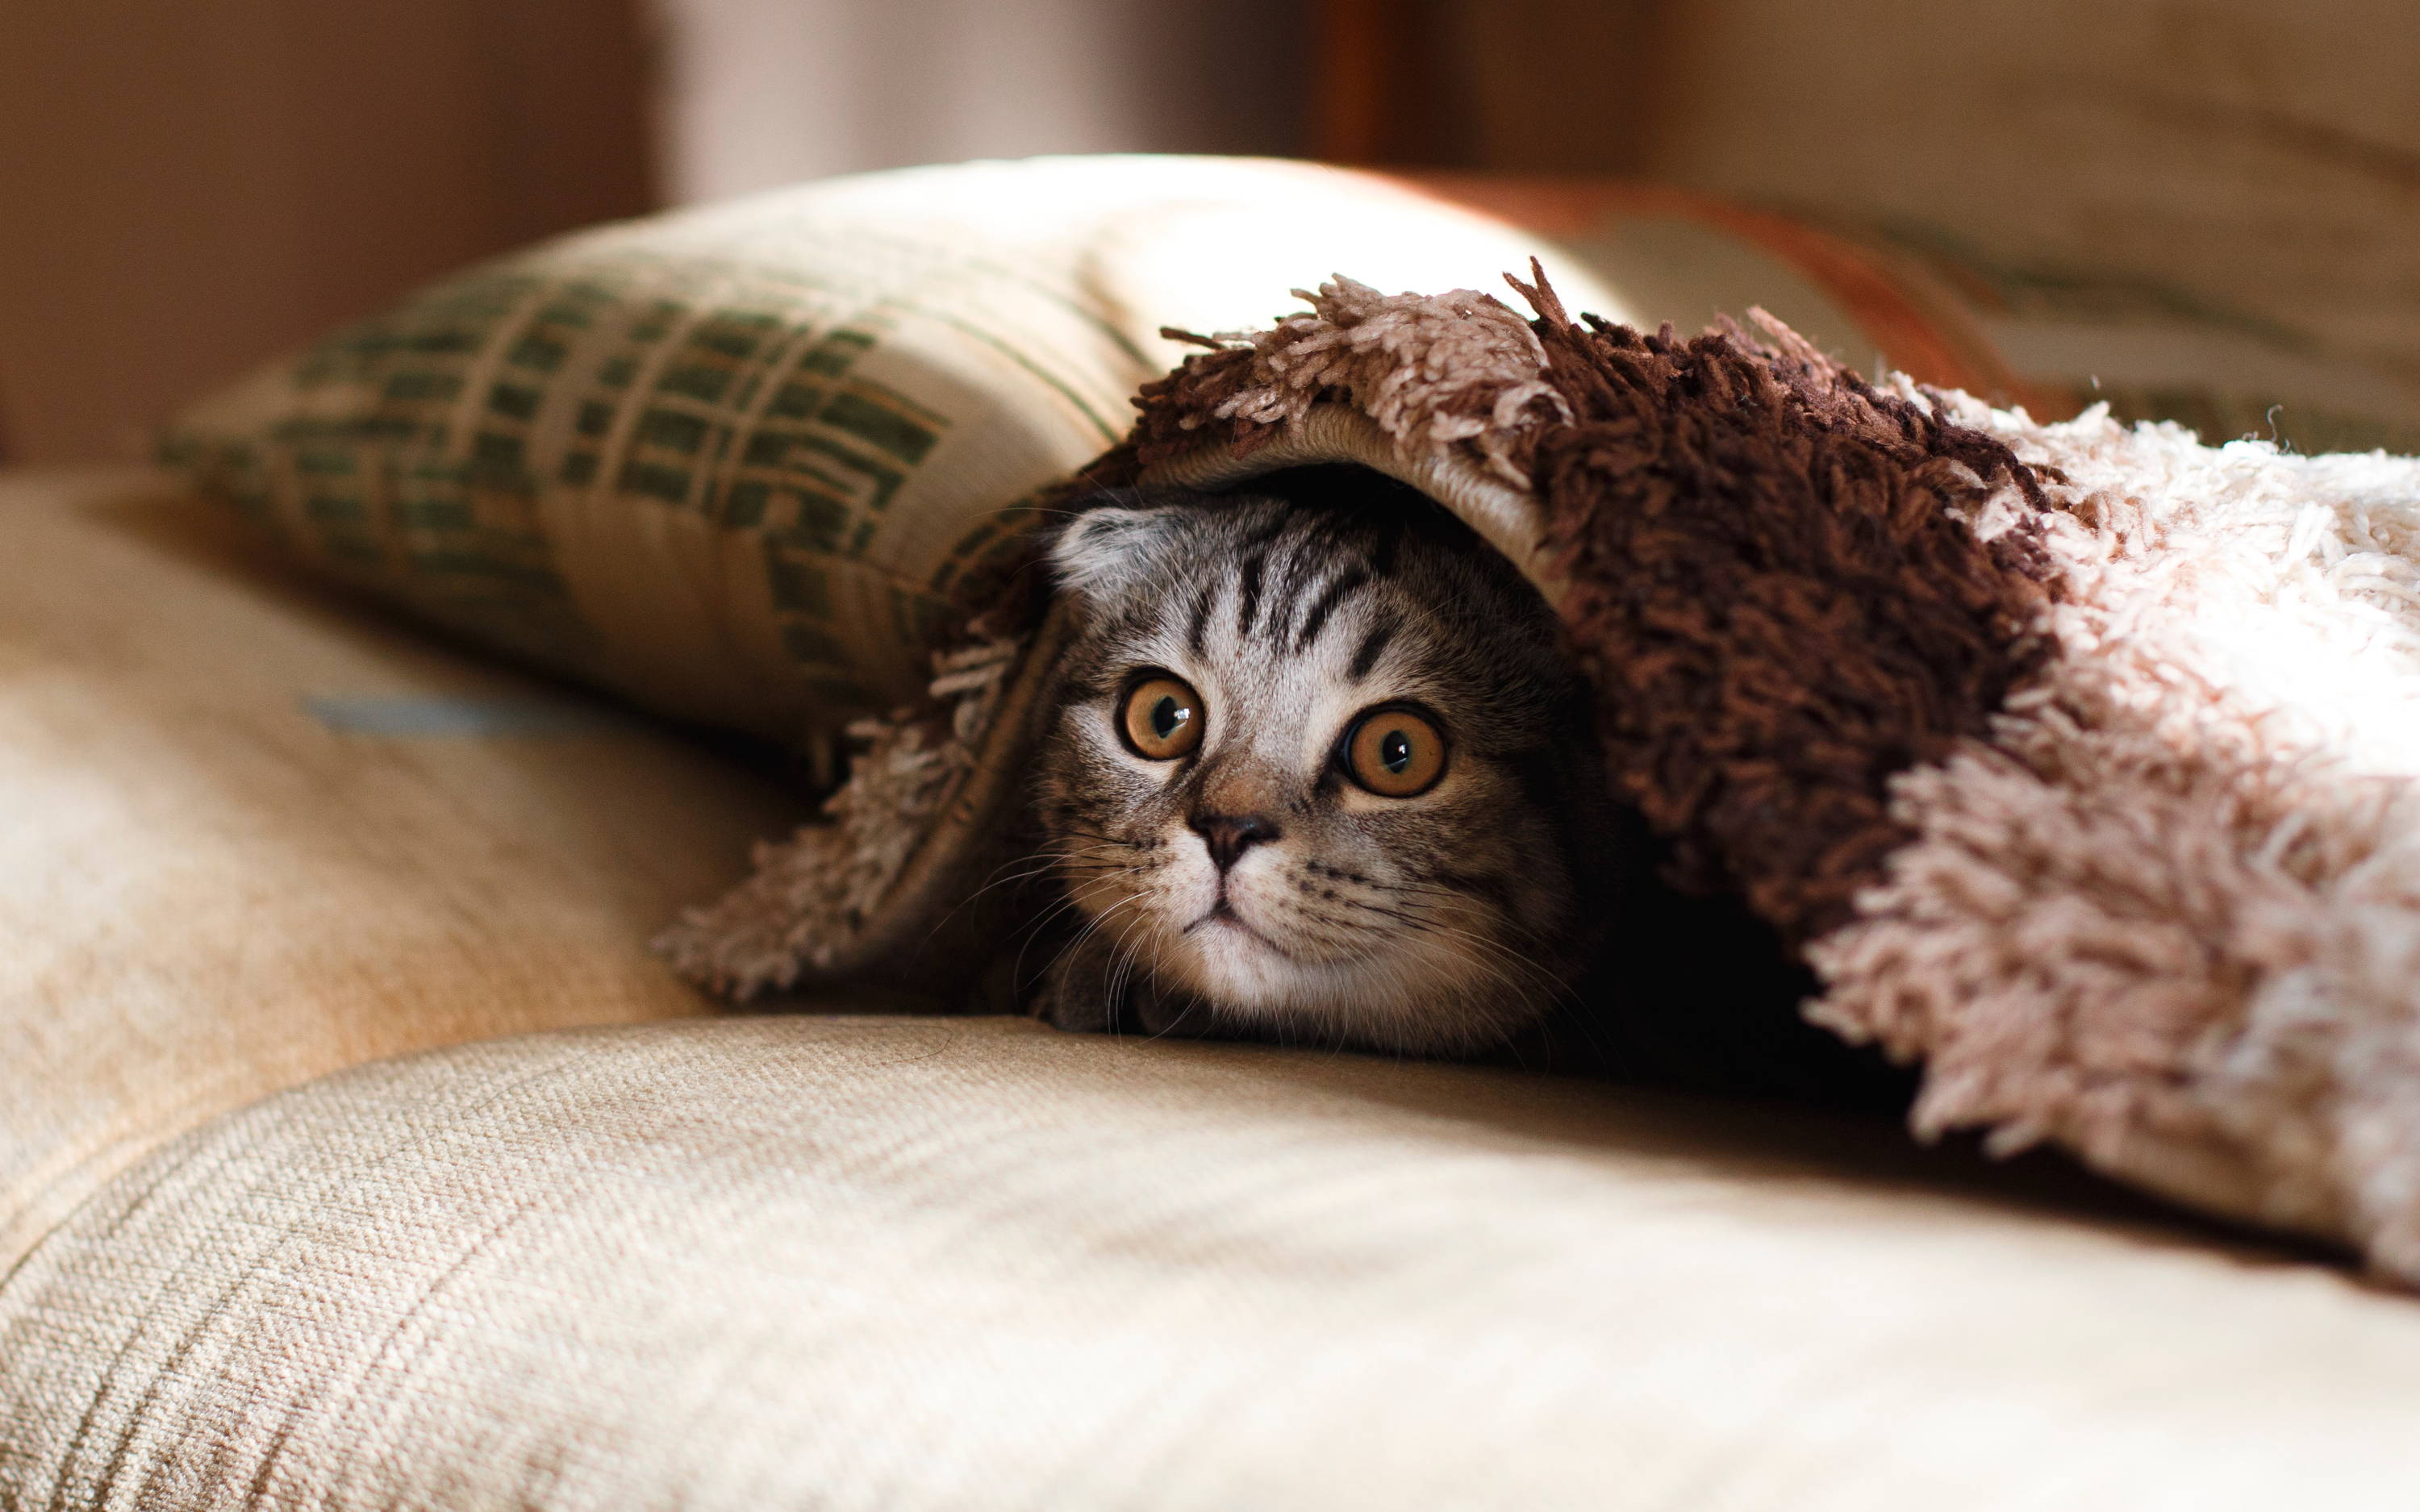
(1113, 839)
(1110, 981)
(1067, 903)
(1424, 920)
(1123, 962)
(1505, 956)
(1093, 925)
(1428, 920)
(1031, 868)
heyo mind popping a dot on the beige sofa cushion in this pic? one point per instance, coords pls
(254, 835)
(904, 1264)
(250, 833)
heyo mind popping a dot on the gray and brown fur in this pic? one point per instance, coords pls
(1442, 922)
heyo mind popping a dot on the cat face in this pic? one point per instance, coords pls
(1317, 773)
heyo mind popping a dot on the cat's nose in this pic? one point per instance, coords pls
(1230, 837)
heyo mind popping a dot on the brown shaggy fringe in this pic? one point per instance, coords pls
(1776, 595)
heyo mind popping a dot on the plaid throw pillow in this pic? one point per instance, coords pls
(737, 461)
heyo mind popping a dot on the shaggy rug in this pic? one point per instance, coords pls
(2079, 762)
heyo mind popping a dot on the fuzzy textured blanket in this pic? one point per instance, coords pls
(2082, 763)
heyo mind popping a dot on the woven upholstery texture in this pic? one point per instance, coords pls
(249, 834)
(974, 1264)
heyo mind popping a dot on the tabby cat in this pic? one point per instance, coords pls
(1319, 774)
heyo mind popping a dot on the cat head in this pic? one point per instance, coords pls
(1323, 771)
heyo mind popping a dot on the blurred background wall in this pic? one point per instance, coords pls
(2259, 157)
(762, 92)
(188, 186)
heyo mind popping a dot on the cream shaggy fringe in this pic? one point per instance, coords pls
(1437, 372)
(2170, 915)
(812, 898)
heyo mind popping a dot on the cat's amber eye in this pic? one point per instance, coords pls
(1395, 753)
(1162, 718)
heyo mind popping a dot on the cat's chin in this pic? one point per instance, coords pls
(1251, 982)
(1223, 958)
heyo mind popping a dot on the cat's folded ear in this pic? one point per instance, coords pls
(1111, 547)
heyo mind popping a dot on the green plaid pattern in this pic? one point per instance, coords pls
(793, 407)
